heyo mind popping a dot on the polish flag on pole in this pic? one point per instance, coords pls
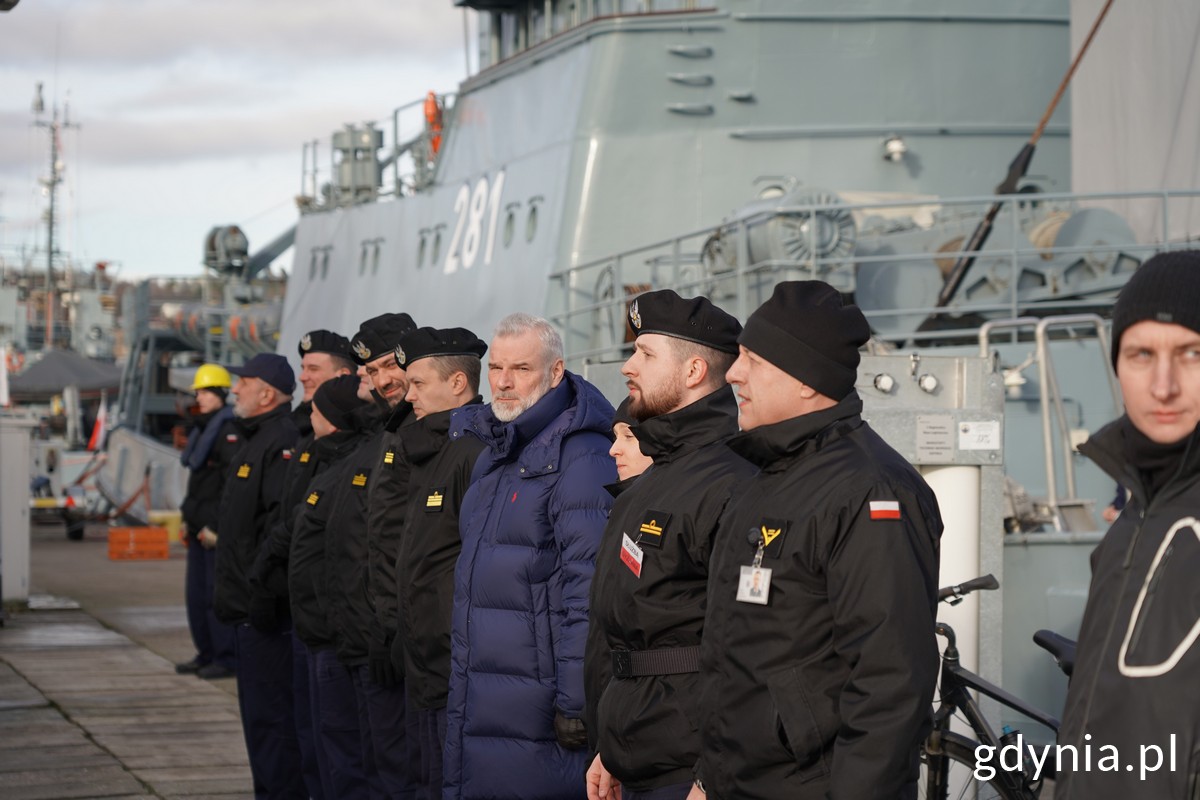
(100, 429)
(885, 509)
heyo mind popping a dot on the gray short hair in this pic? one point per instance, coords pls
(521, 323)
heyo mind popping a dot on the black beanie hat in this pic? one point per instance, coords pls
(695, 319)
(806, 331)
(323, 341)
(337, 399)
(379, 336)
(622, 413)
(1166, 288)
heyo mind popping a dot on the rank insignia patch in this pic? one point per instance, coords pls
(654, 525)
(389, 457)
(305, 456)
(359, 480)
(773, 532)
(244, 471)
(435, 499)
(313, 498)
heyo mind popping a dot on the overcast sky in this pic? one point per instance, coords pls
(193, 113)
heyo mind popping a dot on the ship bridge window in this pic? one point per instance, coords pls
(312, 266)
(503, 34)
(375, 258)
(325, 265)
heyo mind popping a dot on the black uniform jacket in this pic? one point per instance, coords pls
(306, 576)
(440, 473)
(1137, 667)
(273, 555)
(385, 523)
(645, 727)
(249, 503)
(347, 554)
(204, 485)
(826, 690)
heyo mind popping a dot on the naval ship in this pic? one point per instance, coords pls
(717, 147)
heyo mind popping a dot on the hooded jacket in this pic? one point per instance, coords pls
(530, 524)
(824, 690)
(1136, 682)
(645, 726)
(249, 503)
(441, 472)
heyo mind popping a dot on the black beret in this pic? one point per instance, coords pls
(425, 342)
(323, 341)
(808, 332)
(695, 319)
(337, 399)
(1164, 289)
(379, 336)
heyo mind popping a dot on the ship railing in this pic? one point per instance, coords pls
(591, 301)
(401, 165)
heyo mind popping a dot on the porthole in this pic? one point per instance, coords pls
(325, 265)
(510, 226)
(436, 255)
(362, 260)
(421, 250)
(312, 266)
(375, 260)
(531, 224)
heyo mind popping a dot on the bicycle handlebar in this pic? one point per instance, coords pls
(954, 594)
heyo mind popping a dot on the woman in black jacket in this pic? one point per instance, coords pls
(210, 447)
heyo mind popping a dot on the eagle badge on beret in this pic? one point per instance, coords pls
(400, 355)
(361, 350)
(634, 316)
(306, 342)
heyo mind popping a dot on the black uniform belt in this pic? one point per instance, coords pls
(665, 661)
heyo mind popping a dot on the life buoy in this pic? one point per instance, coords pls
(14, 361)
(433, 122)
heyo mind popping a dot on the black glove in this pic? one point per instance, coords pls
(379, 664)
(571, 733)
(264, 611)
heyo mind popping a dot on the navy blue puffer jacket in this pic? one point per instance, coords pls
(530, 522)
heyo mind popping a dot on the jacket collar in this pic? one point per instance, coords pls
(771, 447)
(712, 418)
(253, 425)
(1107, 449)
(535, 438)
(426, 437)
(398, 416)
(337, 445)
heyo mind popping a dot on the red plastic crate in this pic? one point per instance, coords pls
(147, 543)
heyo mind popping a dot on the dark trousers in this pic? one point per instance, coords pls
(264, 681)
(431, 725)
(215, 641)
(677, 791)
(306, 729)
(338, 725)
(391, 735)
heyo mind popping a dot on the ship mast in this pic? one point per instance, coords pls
(55, 128)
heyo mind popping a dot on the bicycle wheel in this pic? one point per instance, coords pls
(962, 783)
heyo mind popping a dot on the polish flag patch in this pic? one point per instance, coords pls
(885, 509)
